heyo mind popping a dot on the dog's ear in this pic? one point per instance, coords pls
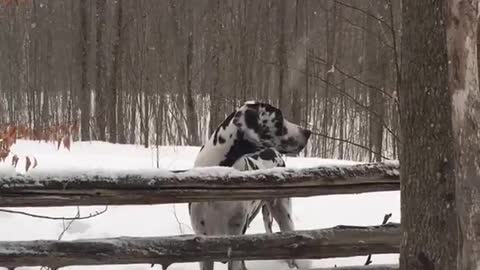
(252, 119)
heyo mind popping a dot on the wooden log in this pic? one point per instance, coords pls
(206, 184)
(363, 267)
(340, 241)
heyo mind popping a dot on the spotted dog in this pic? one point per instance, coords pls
(253, 137)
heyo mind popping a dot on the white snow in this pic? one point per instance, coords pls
(161, 220)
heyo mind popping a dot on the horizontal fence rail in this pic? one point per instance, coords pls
(365, 267)
(38, 189)
(340, 241)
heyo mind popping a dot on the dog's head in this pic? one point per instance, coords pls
(264, 125)
(253, 127)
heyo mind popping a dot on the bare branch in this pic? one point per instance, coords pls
(91, 215)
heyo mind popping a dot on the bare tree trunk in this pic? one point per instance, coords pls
(429, 221)
(100, 67)
(84, 95)
(331, 29)
(463, 69)
(282, 53)
(192, 120)
(115, 75)
(372, 77)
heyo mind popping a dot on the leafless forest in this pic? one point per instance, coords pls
(167, 72)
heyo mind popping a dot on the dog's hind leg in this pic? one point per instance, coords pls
(267, 218)
(281, 210)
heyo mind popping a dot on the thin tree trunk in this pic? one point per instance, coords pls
(84, 95)
(100, 67)
(192, 120)
(115, 75)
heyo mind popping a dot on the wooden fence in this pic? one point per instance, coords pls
(157, 187)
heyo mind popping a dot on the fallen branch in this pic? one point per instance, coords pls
(157, 186)
(77, 217)
(340, 241)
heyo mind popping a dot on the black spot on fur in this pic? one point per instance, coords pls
(238, 114)
(215, 136)
(280, 129)
(265, 134)
(268, 154)
(244, 230)
(221, 140)
(239, 148)
(289, 142)
(251, 164)
(227, 120)
(231, 135)
(251, 120)
(202, 222)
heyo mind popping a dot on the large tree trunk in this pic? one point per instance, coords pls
(429, 222)
(463, 70)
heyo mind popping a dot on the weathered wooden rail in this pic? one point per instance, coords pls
(39, 189)
(159, 187)
(365, 267)
(340, 241)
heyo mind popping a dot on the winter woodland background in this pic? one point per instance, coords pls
(167, 72)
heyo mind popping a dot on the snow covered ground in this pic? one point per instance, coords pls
(163, 220)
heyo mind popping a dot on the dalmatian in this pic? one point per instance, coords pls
(252, 137)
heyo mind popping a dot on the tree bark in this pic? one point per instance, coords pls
(465, 97)
(429, 222)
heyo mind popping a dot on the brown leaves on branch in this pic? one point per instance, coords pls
(7, 3)
(60, 134)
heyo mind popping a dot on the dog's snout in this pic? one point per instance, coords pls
(306, 133)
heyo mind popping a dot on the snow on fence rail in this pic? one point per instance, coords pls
(340, 241)
(365, 267)
(67, 188)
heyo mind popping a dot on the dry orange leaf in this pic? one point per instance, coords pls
(15, 161)
(66, 142)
